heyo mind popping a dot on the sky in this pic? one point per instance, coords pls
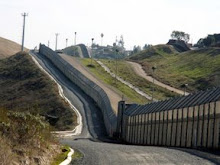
(139, 21)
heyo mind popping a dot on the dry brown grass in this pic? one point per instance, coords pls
(8, 48)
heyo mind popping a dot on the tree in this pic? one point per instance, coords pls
(136, 49)
(121, 41)
(179, 35)
(146, 46)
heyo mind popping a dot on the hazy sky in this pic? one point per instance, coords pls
(139, 21)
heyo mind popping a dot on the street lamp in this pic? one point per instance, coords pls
(102, 35)
(116, 64)
(91, 51)
(153, 68)
(66, 42)
(56, 40)
(75, 39)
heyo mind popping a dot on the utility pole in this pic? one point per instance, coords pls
(102, 35)
(24, 15)
(75, 39)
(91, 50)
(56, 40)
(116, 64)
(48, 44)
(66, 42)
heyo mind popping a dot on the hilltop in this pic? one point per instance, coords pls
(154, 51)
(200, 69)
(8, 48)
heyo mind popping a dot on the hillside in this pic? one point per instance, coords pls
(200, 69)
(24, 86)
(8, 48)
(30, 108)
(154, 51)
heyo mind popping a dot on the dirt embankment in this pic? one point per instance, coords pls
(8, 48)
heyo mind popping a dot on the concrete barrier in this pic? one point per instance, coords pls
(89, 87)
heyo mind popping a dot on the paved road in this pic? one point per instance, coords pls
(94, 144)
(139, 71)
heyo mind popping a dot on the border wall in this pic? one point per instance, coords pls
(89, 87)
(191, 121)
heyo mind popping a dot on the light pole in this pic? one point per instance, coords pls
(75, 39)
(22, 46)
(153, 68)
(56, 40)
(102, 35)
(91, 50)
(116, 64)
(66, 42)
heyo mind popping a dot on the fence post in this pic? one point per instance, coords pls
(121, 107)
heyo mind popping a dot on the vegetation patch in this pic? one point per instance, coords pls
(24, 87)
(76, 157)
(125, 71)
(129, 94)
(64, 150)
(200, 69)
(24, 137)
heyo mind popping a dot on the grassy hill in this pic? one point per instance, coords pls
(8, 48)
(154, 51)
(30, 108)
(25, 88)
(198, 68)
(125, 71)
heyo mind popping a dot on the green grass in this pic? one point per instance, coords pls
(76, 156)
(198, 68)
(61, 156)
(125, 71)
(129, 94)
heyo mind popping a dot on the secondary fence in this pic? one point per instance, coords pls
(189, 121)
(89, 87)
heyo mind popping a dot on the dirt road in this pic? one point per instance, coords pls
(139, 71)
(112, 95)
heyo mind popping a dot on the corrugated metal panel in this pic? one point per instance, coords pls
(198, 98)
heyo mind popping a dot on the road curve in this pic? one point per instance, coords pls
(93, 142)
(139, 71)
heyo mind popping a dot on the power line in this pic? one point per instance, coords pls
(22, 45)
